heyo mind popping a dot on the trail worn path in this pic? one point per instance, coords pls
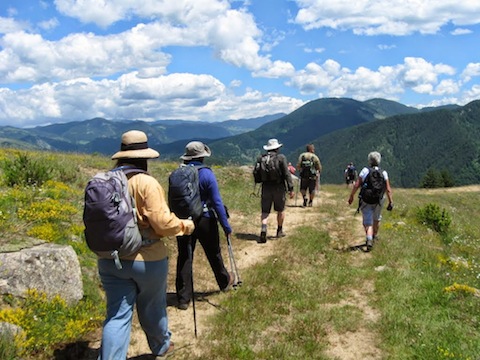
(353, 345)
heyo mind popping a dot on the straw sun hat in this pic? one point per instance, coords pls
(135, 146)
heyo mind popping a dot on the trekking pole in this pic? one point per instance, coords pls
(190, 257)
(233, 264)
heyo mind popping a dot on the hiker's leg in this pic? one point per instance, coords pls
(183, 281)
(369, 232)
(311, 189)
(151, 279)
(303, 187)
(266, 203)
(280, 218)
(367, 213)
(265, 218)
(377, 217)
(375, 227)
(121, 293)
(210, 240)
(279, 202)
(303, 190)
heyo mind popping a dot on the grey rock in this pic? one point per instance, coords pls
(49, 268)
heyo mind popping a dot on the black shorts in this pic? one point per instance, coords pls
(273, 194)
(310, 184)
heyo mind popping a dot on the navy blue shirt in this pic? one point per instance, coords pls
(210, 195)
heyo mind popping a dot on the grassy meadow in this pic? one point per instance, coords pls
(415, 296)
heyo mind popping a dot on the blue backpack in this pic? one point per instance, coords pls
(109, 215)
(184, 192)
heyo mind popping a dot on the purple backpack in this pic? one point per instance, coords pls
(109, 215)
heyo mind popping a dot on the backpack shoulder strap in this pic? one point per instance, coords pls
(127, 170)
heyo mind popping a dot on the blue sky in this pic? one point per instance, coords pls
(214, 60)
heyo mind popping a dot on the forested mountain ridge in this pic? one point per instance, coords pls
(410, 145)
(316, 118)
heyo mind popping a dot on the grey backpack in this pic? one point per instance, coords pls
(109, 215)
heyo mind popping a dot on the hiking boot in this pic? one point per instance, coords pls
(304, 202)
(310, 203)
(263, 237)
(169, 351)
(369, 245)
(280, 234)
(231, 280)
(182, 306)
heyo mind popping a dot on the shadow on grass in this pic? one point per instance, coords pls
(246, 236)
(361, 247)
(76, 351)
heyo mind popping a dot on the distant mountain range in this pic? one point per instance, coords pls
(102, 136)
(411, 140)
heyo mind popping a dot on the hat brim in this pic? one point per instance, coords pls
(136, 154)
(274, 147)
(197, 156)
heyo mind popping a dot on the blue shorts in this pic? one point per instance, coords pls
(371, 213)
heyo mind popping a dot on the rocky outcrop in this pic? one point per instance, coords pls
(49, 268)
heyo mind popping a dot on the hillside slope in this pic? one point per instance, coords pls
(410, 145)
(316, 118)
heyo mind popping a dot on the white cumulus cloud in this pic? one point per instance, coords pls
(392, 17)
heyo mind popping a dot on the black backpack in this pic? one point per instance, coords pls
(351, 173)
(184, 192)
(373, 187)
(308, 170)
(267, 169)
(109, 215)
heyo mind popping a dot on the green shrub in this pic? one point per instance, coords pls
(8, 350)
(434, 217)
(48, 322)
(24, 170)
(437, 179)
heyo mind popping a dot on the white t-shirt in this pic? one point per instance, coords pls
(363, 174)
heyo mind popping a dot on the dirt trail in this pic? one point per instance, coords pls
(354, 345)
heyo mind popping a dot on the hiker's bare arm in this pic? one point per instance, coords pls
(357, 184)
(389, 193)
(318, 165)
